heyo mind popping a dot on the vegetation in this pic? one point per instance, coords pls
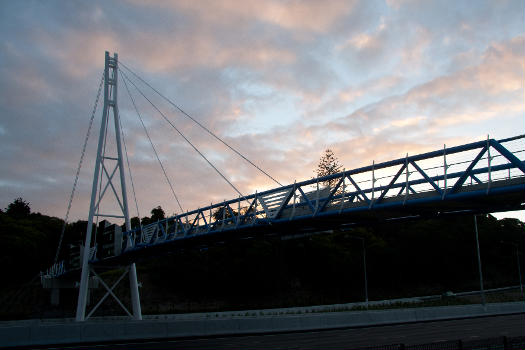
(407, 259)
(157, 214)
(223, 213)
(18, 209)
(29, 242)
(404, 259)
(328, 165)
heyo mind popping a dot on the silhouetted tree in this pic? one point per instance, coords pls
(135, 222)
(157, 214)
(145, 221)
(218, 214)
(18, 209)
(328, 165)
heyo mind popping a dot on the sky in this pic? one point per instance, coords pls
(280, 81)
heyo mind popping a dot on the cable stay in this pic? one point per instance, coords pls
(151, 143)
(129, 167)
(198, 123)
(182, 135)
(78, 168)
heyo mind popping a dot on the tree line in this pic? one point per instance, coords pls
(403, 259)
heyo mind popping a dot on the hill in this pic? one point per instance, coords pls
(403, 259)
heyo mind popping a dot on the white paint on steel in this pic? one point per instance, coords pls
(110, 100)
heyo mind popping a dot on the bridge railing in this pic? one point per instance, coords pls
(444, 174)
(61, 267)
(57, 269)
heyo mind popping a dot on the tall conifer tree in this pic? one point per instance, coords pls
(328, 165)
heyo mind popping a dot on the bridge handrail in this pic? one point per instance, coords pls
(378, 166)
(292, 202)
(187, 221)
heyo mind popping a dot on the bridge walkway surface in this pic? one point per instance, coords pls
(480, 177)
(458, 180)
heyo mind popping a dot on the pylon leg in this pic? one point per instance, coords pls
(135, 297)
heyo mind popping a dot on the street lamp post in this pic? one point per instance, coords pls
(519, 268)
(479, 262)
(364, 267)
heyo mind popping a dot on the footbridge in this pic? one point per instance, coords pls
(479, 177)
(489, 179)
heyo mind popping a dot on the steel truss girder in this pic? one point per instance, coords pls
(445, 187)
(259, 213)
(467, 172)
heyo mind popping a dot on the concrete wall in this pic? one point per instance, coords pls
(41, 332)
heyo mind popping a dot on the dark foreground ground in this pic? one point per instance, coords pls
(436, 335)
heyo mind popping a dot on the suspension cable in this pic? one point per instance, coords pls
(151, 143)
(199, 124)
(101, 177)
(182, 135)
(129, 168)
(78, 168)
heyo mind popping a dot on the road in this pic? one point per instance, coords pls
(414, 333)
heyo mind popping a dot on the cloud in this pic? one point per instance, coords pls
(501, 71)
(407, 122)
(79, 52)
(397, 3)
(369, 88)
(293, 15)
(279, 81)
(422, 117)
(364, 41)
(412, 55)
(370, 41)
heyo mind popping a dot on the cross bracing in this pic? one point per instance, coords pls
(486, 184)
(479, 177)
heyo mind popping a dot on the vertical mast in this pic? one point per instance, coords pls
(110, 102)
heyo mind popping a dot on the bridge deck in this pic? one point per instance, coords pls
(481, 177)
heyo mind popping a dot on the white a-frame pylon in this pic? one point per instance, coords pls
(101, 171)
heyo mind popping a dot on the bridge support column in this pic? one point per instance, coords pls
(479, 263)
(55, 296)
(134, 288)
